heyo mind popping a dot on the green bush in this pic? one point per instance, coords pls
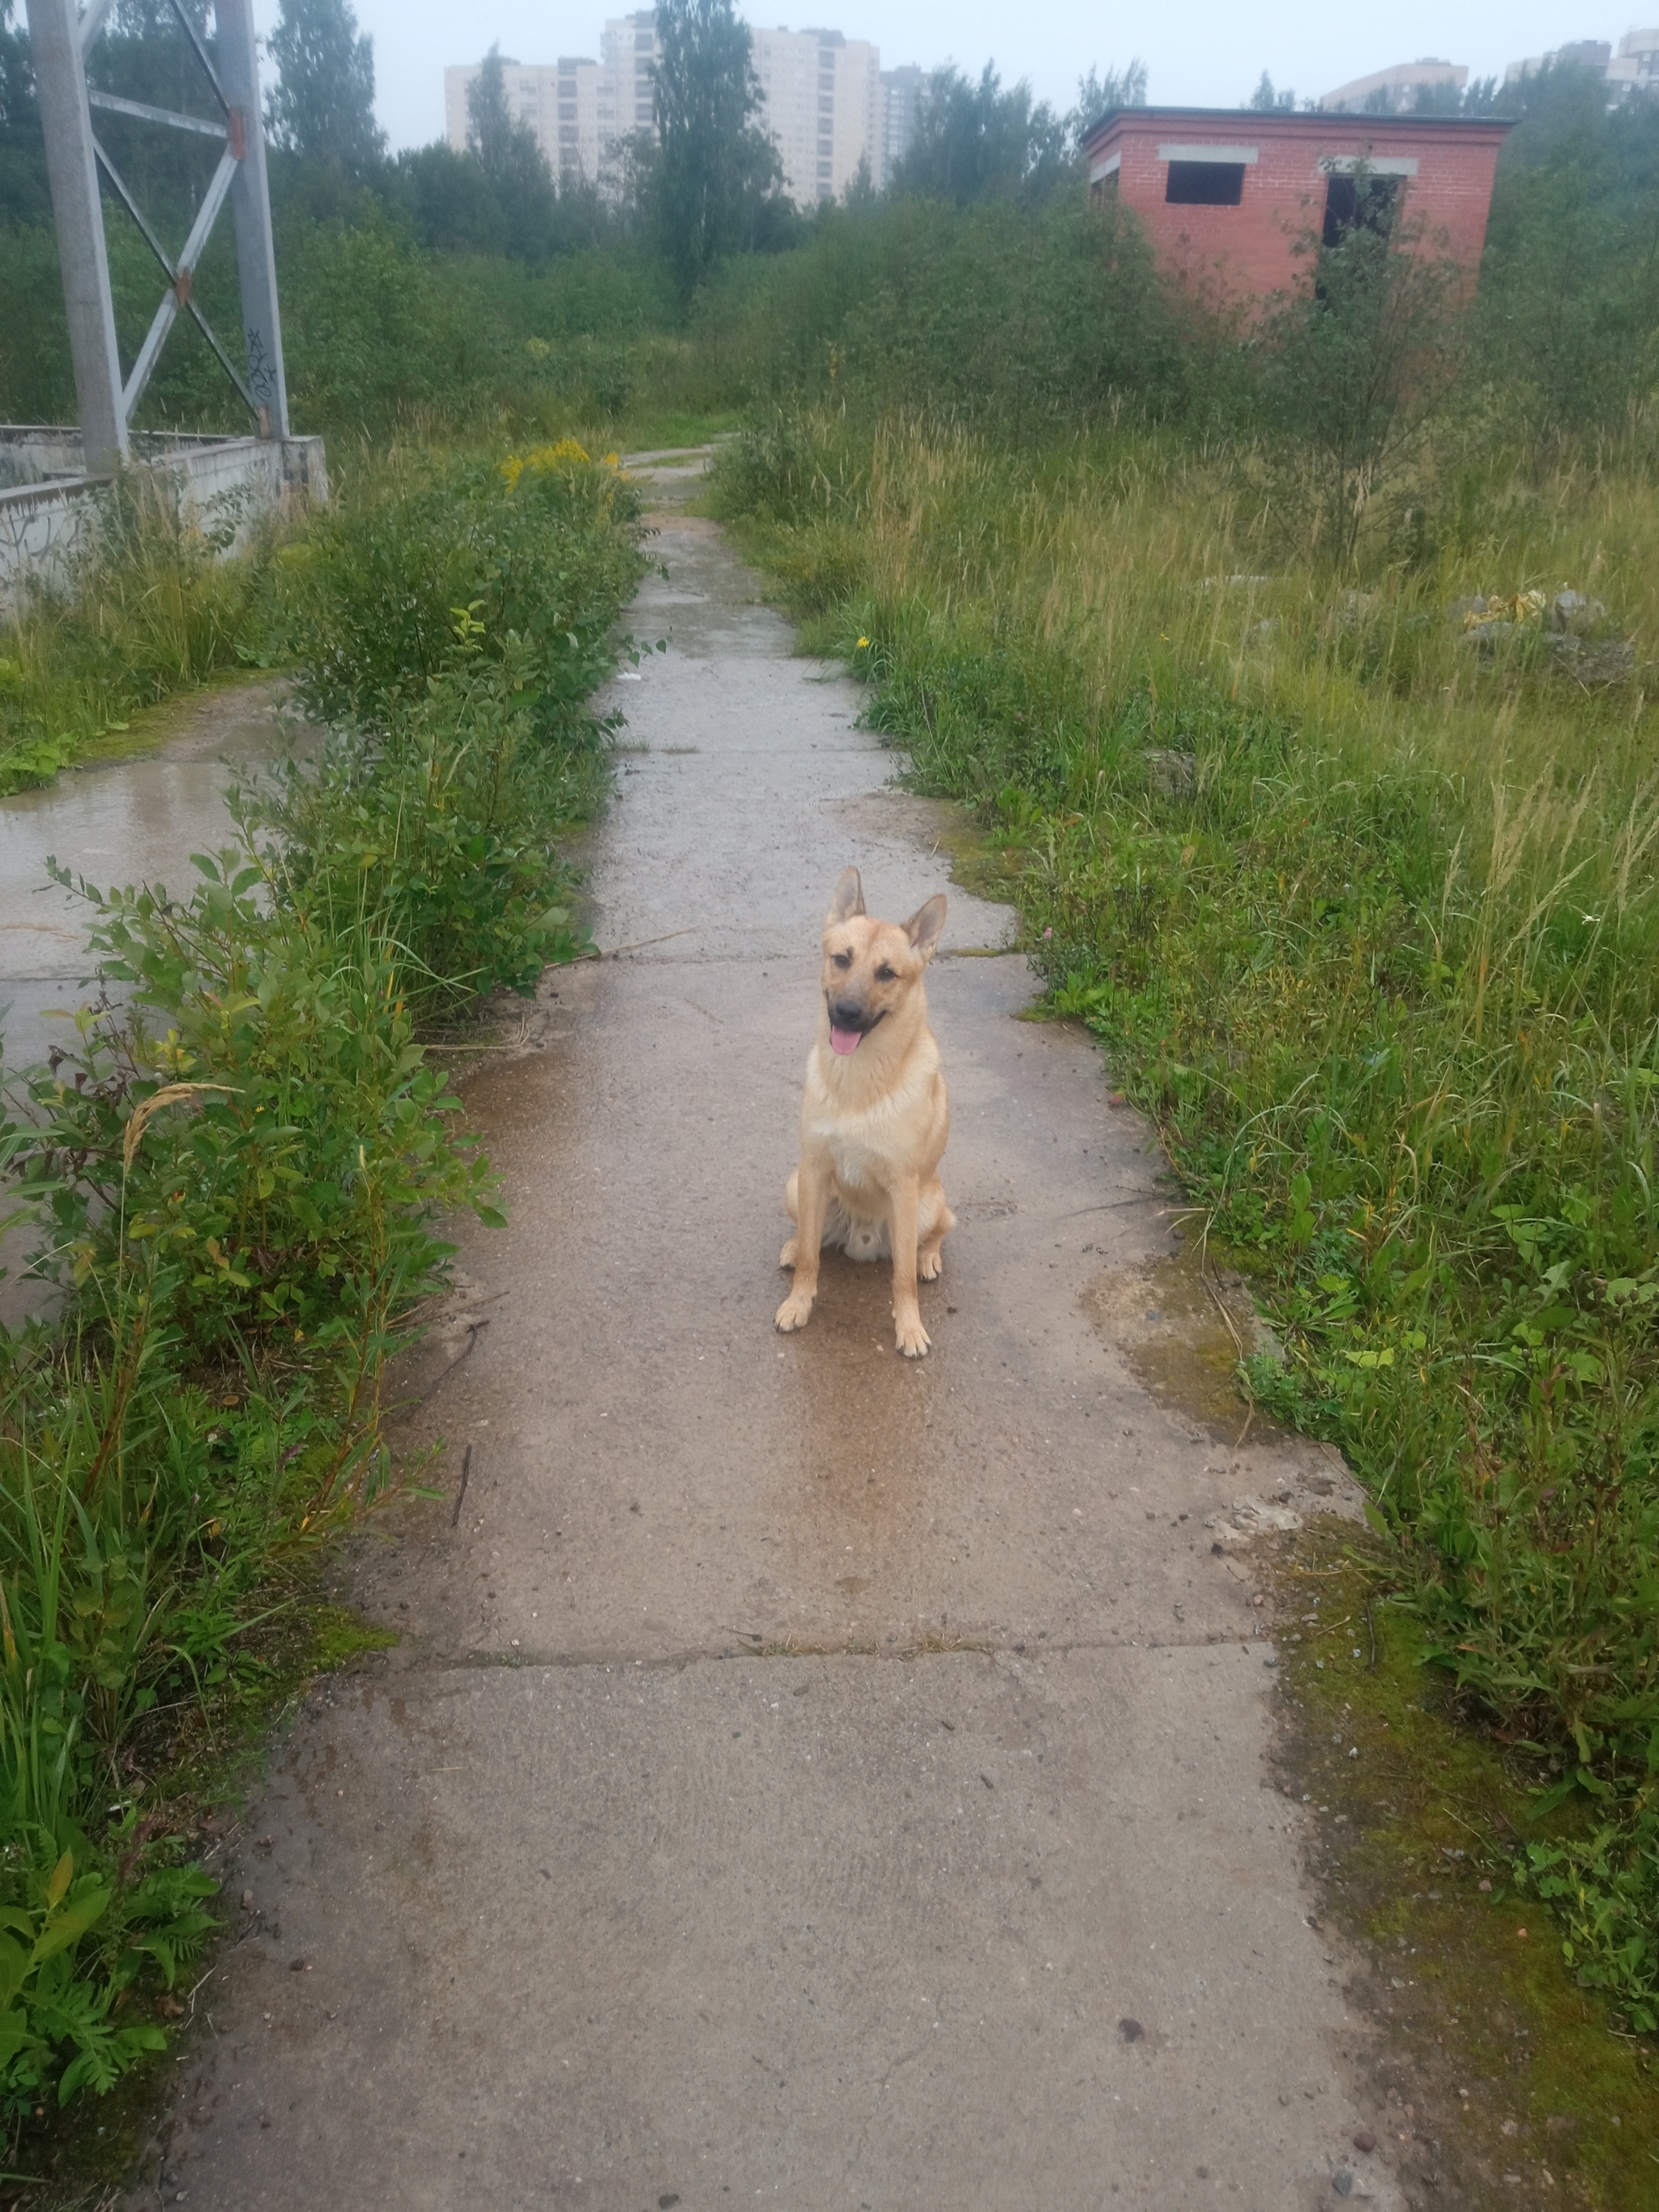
(444, 831)
(1030, 317)
(534, 552)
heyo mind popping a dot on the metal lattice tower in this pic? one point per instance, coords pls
(61, 34)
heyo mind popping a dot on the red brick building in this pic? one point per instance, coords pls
(1228, 194)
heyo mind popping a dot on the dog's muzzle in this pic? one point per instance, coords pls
(849, 1025)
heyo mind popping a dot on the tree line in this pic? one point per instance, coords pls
(446, 279)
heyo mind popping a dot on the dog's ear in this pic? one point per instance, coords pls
(848, 897)
(924, 925)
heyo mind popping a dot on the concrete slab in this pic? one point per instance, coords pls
(967, 1930)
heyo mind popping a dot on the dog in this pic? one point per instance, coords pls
(874, 1117)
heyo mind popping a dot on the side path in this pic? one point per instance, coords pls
(803, 1775)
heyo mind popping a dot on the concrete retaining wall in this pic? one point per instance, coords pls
(225, 487)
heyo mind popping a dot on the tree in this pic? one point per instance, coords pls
(322, 106)
(1356, 364)
(513, 163)
(447, 199)
(1099, 94)
(974, 141)
(716, 182)
(1571, 269)
(1269, 100)
(23, 193)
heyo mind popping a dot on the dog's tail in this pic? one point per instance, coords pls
(858, 1235)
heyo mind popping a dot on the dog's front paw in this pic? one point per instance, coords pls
(930, 1267)
(794, 1313)
(787, 1257)
(913, 1338)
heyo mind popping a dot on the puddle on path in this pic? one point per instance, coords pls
(130, 821)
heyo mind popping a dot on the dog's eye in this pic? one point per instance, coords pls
(841, 959)
(886, 974)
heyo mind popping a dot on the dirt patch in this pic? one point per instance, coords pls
(666, 519)
(243, 710)
(1183, 1325)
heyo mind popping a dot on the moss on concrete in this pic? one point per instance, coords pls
(1498, 2080)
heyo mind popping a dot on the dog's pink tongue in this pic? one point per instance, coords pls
(845, 1041)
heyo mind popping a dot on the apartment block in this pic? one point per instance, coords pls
(1394, 91)
(628, 101)
(1631, 73)
(901, 105)
(1635, 67)
(582, 111)
(560, 101)
(825, 100)
(821, 104)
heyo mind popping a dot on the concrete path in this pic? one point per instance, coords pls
(804, 1776)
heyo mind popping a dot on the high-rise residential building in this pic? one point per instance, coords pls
(821, 104)
(560, 101)
(628, 106)
(1394, 91)
(1631, 73)
(825, 100)
(901, 104)
(1635, 67)
(1592, 54)
(582, 111)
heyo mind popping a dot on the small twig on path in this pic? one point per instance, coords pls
(640, 945)
(475, 1329)
(460, 1495)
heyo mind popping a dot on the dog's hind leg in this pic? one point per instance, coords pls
(936, 1222)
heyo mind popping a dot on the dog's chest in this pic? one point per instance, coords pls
(861, 1147)
(857, 1166)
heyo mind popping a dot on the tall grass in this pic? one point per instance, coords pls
(1367, 910)
(237, 1173)
(149, 608)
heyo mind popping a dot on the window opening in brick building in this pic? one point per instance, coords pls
(1359, 202)
(1205, 184)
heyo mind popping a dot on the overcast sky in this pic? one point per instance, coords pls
(1200, 52)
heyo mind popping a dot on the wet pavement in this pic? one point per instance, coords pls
(135, 821)
(803, 1775)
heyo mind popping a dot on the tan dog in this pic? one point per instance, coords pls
(874, 1118)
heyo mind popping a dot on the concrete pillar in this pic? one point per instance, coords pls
(72, 169)
(250, 206)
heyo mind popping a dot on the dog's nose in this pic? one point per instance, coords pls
(847, 1013)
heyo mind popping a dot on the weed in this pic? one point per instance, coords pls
(149, 608)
